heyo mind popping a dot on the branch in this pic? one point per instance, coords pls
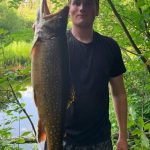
(131, 23)
(22, 107)
(26, 140)
(147, 122)
(145, 23)
(124, 49)
(128, 34)
(128, 57)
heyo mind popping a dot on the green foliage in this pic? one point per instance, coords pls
(15, 44)
(137, 82)
(138, 130)
(19, 79)
(107, 23)
(13, 26)
(137, 79)
(15, 32)
(57, 4)
(17, 53)
(9, 19)
(10, 106)
(6, 139)
(14, 3)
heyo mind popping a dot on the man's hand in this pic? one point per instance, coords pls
(120, 104)
(122, 144)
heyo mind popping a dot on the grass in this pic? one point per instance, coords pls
(17, 53)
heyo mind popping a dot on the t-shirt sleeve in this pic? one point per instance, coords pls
(118, 66)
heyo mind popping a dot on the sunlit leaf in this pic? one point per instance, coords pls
(25, 133)
(145, 141)
(23, 117)
(147, 127)
(20, 141)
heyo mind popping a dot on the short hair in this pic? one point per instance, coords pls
(97, 3)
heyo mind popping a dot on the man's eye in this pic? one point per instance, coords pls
(76, 3)
(89, 2)
(85, 3)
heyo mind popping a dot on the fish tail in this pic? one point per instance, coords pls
(41, 132)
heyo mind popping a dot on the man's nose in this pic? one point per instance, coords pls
(82, 7)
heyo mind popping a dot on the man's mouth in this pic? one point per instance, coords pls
(82, 15)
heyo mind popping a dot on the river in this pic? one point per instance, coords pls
(24, 125)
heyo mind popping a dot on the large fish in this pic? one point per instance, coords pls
(50, 74)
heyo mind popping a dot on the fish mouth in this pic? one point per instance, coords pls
(63, 12)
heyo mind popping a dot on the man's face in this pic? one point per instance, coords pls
(83, 12)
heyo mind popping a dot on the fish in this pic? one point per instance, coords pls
(50, 74)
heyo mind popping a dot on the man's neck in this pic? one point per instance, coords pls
(84, 35)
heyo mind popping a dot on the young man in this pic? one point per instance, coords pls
(95, 61)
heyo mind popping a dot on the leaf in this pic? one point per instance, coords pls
(16, 109)
(130, 123)
(23, 117)
(19, 95)
(7, 123)
(145, 141)
(23, 89)
(3, 31)
(8, 134)
(23, 104)
(140, 3)
(141, 122)
(9, 112)
(132, 112)
(17, 88)
(25, 133)
(20, 141)
(136, 132)
(147, 127)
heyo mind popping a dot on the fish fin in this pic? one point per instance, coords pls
(41, 132)
(46, 10)
(36, 46)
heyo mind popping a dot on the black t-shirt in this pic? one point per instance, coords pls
(91, 67)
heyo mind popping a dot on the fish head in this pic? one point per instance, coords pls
(56, 24)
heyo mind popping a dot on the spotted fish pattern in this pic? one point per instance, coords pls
(50, 74)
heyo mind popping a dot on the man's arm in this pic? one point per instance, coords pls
(120, 104)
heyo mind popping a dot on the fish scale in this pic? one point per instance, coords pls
(50, 74)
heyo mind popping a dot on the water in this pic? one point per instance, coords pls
(24, 125)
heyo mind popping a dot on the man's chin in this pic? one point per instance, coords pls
(83, 24)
